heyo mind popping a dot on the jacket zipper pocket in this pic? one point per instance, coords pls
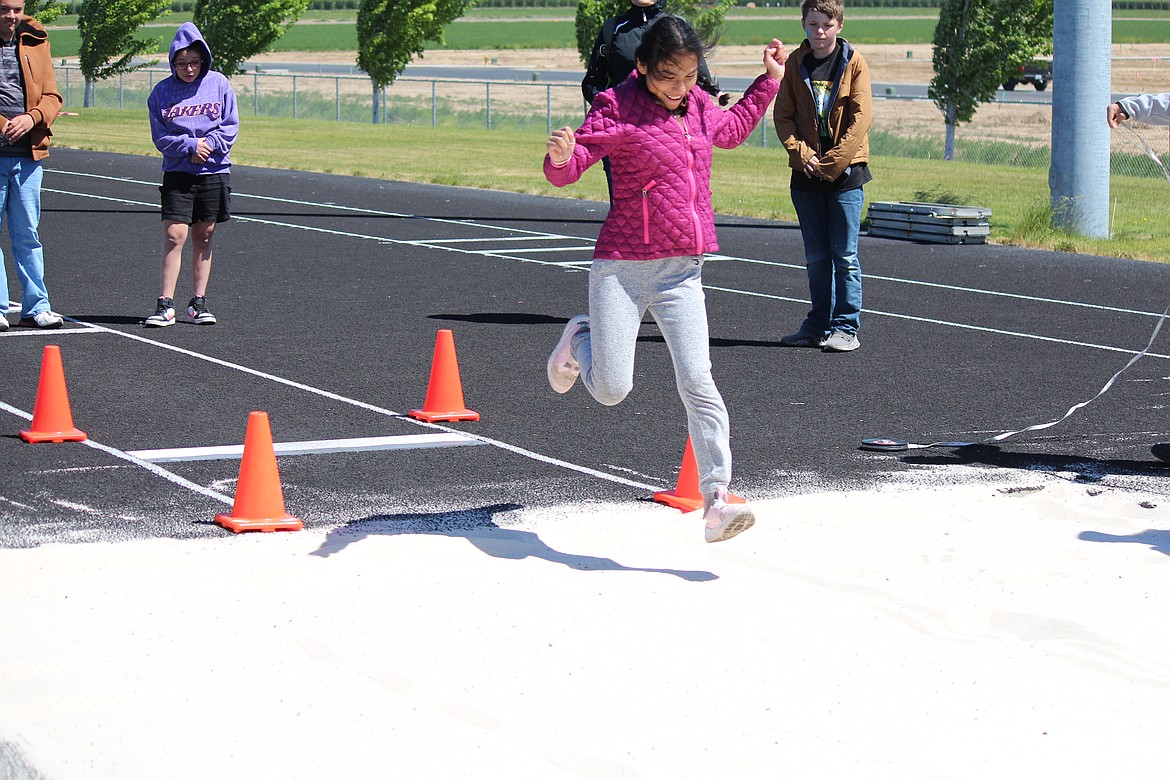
(646, 212)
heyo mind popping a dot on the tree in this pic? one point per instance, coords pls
(391, 32)
(108, 46)
(44, 12)
(238, 29)
(706, 18)
(977, 44)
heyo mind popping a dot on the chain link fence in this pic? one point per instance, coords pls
(1002, 133)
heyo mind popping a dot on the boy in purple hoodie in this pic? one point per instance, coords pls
(194, 122)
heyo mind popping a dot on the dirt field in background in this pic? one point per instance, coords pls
(1136, 67)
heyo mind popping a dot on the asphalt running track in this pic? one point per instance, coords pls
(330, 290)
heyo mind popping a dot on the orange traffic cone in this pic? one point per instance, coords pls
(686, 495)
(444, 400)
(52, 420)
(259, 504)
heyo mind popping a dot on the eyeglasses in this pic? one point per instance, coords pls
(7, 9)
(188, 65)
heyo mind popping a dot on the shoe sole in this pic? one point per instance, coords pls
(33, 324)
(149, 324)
(734, 527)
(555, 377)
(849, 348)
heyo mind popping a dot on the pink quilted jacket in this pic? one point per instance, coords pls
(661, 166)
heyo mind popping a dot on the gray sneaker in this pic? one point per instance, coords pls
(802, 339)
(840, 341)
(42, 319)
(562, 367)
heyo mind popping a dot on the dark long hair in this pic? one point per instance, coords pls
(668, 36)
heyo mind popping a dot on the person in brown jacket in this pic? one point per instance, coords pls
(822, 115)
(29, 103)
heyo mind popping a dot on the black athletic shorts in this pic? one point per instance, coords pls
(189, 198)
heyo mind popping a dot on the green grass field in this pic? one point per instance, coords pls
(540, 33)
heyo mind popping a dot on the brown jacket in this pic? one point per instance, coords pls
(850, 115)
(41, 100)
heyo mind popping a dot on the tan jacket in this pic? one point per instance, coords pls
(41, 100)
(849, 117)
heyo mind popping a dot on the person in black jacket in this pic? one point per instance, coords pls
(612, 60)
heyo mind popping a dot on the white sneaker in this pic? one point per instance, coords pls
(724, 520)
(563, 369)
(42, 319)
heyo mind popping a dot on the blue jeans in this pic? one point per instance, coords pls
(20, 209)
(829, 223)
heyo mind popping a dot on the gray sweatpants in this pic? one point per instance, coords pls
(671, 289)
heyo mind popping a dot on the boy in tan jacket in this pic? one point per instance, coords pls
(822, 116)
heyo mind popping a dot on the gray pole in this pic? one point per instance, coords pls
(1079, 176)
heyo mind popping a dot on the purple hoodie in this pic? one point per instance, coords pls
(182, 113)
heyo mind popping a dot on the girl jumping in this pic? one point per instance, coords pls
(658, 131)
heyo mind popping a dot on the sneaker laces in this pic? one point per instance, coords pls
(713, 499)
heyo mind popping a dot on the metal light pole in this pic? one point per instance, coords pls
(1079, 177)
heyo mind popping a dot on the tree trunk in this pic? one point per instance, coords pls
(377, 104)
(949, 146)
(88, 101)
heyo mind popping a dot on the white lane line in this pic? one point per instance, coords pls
(927, 320)
(395, 241)
(13, 333)
(495, 238)
(335, 206)
(552, 249)
(328, 231)
(540, 234)
(954, 288)
(317, 447)
(152, 468)
(520, 451)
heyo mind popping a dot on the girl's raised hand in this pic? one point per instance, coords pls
(775, 55)
(560, 145)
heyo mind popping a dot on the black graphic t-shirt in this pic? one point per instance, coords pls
(820, 75)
